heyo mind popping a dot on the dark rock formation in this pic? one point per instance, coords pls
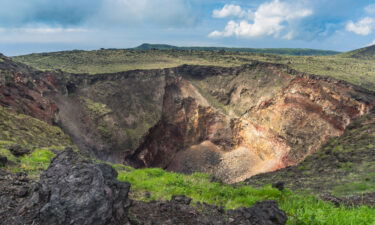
(72, 191)
(262, 213)
(76, 191)
(14, 190)
(178, 211)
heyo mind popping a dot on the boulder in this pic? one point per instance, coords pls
(76, 191)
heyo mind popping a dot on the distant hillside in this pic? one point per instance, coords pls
(355, 70)
(362, 53)
(279, 51)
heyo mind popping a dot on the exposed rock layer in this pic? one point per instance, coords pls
(231, 122)
(235, 123)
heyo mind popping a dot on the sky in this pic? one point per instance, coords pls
(28, 26)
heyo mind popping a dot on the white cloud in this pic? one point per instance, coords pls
(232, 11)
(372, 43)
(270, 19)
(364, 26)
(370, 9)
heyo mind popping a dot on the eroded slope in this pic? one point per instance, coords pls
(231, 122)
(343, 166)
(242, 121)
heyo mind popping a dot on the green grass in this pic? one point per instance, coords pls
(26, 130)
(38, 160)
(38, 136)
(301, 209)
(33, 163)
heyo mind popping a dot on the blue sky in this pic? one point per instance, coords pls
(28, 26)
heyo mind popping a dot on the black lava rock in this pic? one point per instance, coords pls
(279, 185)
(262, 213)
(76, 191)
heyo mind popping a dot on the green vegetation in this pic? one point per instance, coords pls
(354, 70)
(280, 51)
(26, 130)
(33, 163)
(36, 161)
(98, 109)
(39, 137)
(301, 209)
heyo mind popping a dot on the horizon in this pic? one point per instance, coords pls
(134, 47)
(47, 26)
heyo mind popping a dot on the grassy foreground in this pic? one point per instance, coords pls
(301, 209)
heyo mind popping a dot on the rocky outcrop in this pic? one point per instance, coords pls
(24, 91)
(179, 211)
(72, 191)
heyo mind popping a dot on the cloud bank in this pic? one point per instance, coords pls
(364, 26)
(273, 18)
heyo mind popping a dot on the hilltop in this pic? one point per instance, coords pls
(363, 53)
(279, 51)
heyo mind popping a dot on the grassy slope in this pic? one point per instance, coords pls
(362, 53)
(38, 136)
(354, 70)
